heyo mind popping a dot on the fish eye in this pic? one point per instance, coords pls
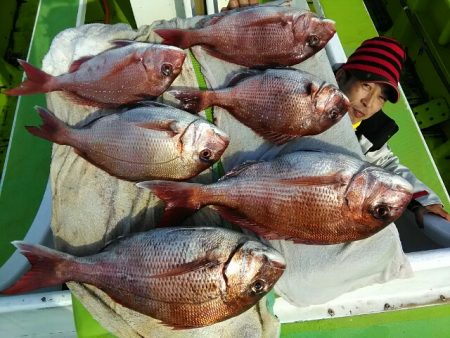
(334, 114)
(381, 211)
(313, 40)
(205, 155)
(167, 69)
(258, 286)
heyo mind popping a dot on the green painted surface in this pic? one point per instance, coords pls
(86, 326)
(424, 25)
(26, 171)
(421, 322)
(354, 25)
(119, 11)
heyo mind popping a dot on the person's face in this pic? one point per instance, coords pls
(366, 98)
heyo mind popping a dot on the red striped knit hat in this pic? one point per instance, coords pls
(379, 60)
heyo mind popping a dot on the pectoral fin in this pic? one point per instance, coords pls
(339, 178)
(77, 63)
(201, 263)
(169, 126)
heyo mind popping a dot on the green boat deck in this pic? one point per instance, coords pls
(26, 169)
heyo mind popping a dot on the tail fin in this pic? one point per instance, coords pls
(44, 270)
(52, 128)
(37, 81)
(182, 199)
(193, 100)
(175, 37)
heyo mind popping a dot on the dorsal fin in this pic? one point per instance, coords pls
(77, 63)
(236, 171)
(242, 75)
(121, 43)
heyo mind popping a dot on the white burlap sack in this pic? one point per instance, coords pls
(91, 207)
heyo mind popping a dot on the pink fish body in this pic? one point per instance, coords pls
(122, 75)
(308, 197)
(279, 104)
(185, 277)
(153, 141)
(258, 36)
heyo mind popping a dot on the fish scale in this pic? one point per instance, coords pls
(185, 277)
(152, 141)
(242, 36)
(125, 74)
(279, 105)
(309, 197)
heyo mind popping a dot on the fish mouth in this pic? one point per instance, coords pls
(276, 260)
(330, 25)
(222, 137)
(401, 185)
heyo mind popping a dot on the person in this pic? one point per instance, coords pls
(370, 78)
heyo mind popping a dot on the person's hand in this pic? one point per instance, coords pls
(436, 209)
(232, 4)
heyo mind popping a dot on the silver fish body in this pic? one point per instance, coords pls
(307, 197)
(129, 73)
(156, 141)
(185, 277)
(258, 36)
(277, 104)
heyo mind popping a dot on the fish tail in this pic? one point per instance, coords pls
(193, 100)
(182, 199)
(175, 37)
(44, 268)
(37, 81)
(52, 129)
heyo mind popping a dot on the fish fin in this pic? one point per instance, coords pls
(213, 52)
(281, 18)
(182, 199)
(215, 18)
(274, 137)
(148, 103)
(340, 178)
(86, 102)
(234, 216)
(201, 263)
(192, 100)
(242, 75)
(77, 63)
(37, 81)
(312, 89)
(169, 126)
(238, 170)
(52, 129)
(175, 37)
(118, 43)
(43, 273)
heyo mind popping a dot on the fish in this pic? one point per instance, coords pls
(184, 277)
(128, 73)
(310, 197)
(149, 141)
(278, 104)
(258, 36)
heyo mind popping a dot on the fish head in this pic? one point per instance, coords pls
(330, 106)
(203, 144)
(376, 197)
(163, 63)
(312, 32)
(251, 272)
